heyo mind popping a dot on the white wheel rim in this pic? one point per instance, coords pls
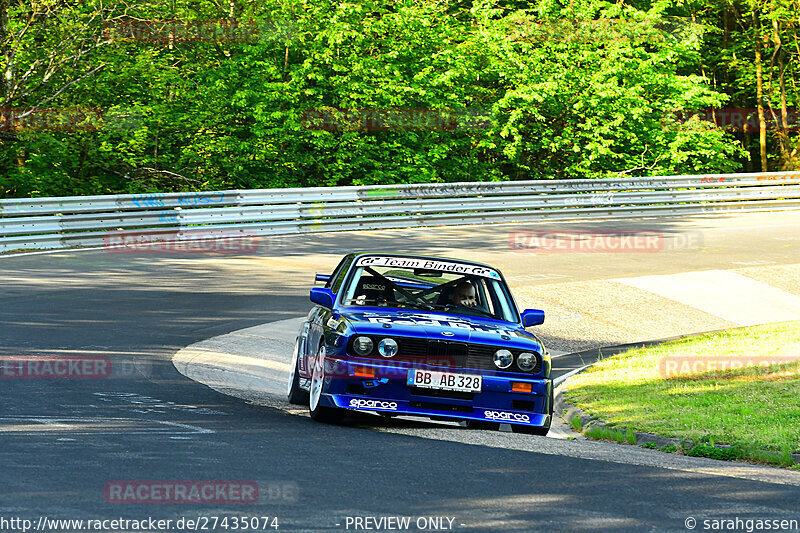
(292, 371)
(317, 375)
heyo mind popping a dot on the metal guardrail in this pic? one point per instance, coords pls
(52, 223)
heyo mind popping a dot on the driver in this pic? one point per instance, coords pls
(464, 295)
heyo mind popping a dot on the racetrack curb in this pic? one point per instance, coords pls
(568, 412)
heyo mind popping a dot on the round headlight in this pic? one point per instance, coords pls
(526, 361)
(362, 345)
(503, 359)
(387, 347)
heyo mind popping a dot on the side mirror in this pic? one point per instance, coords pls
(532, 317)
(322, 277)
(323, 297)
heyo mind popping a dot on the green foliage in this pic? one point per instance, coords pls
(564, 99)
(713, 452)
(743, 451)
(608, 433)
(783, 458)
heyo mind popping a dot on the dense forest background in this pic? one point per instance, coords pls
(113, 96)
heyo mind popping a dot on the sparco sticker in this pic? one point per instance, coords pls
(510, 417)
(372, 404)
(428, 264)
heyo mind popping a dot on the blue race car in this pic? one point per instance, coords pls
(421, 336)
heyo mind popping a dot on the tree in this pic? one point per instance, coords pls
(47, 48)
(331, 93)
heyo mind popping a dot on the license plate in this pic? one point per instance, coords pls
(444, 381)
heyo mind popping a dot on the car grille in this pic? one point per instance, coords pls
(451, 354)
(481, 357)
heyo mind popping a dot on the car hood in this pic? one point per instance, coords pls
(457, 328)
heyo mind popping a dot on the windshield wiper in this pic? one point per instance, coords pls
(419, 305)
(452, 307)
(481, 311)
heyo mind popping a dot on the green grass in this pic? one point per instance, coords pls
(750, 408)
(603, 433)
(609, 433)
(712, 452)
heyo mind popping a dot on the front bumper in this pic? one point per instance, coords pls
(388, 392)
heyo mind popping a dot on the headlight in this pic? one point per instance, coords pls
(387, 347)
(503, 358)
(362, 345)
(526, 361)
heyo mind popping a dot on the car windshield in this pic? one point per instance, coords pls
(430, 285)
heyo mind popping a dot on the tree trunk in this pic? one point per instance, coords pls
(788, 156)
(782, 124)
(762, 123)
(7, 132)
(8, 72)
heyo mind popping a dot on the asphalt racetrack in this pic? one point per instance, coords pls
(68, 444)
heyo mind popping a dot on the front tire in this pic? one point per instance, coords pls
(320, 413)
(295, 394)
